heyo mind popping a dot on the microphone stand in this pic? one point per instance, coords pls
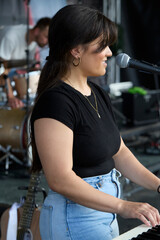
(27, 60)
(27, 76)
(156, 80)
(158, 94)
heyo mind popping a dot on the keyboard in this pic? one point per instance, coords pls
(141, 232)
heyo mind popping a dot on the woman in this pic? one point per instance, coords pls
(75, 139)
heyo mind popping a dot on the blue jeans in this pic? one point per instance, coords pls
(63, 219)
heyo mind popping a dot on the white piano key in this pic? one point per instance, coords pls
(133, 232)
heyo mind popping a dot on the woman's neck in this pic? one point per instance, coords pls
(80, 84)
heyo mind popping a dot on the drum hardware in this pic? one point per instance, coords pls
(3, 94)
(16, 127)
(16, 150)
(14, 136)
(8, 155)
(16, 63)
(3, 97)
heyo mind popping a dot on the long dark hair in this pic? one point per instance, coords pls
(71, 26)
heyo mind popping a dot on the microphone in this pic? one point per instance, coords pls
(124, 61)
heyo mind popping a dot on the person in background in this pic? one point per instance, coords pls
(14, 42)
(74, 136)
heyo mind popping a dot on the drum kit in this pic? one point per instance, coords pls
(14, 123)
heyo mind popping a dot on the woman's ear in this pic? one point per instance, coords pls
(76, 52)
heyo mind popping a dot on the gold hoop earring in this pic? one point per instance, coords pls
(76, 64)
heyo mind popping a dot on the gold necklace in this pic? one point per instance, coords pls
(95, 99)
(96, 104)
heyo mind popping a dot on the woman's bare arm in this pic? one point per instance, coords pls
(132, 169)
(54, 142)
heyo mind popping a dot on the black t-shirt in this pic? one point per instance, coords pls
(96, 139)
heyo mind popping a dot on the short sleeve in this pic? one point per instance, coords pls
(55, 105)
(6, 48)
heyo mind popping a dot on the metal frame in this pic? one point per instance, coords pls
(112, 9)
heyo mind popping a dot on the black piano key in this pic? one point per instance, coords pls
(151, 234)
(154, 231)
(156, 228)
(139, 237)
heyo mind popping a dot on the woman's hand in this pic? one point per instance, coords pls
(142, 211)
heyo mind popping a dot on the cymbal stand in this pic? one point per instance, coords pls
(27, 75)
(8, 155)
(3, 94)
(27, 59)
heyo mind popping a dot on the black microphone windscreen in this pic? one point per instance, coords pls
(122, 60)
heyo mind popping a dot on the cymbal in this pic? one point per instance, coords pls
(17, 63)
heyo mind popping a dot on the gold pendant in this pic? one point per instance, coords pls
(98, 115)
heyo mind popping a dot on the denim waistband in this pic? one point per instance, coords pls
(112, 176)
(114, 173)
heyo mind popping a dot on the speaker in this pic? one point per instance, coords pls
(141, 109)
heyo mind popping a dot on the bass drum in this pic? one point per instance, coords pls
(14, 131)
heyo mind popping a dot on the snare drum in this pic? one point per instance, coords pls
(14, 128)
(21, 84)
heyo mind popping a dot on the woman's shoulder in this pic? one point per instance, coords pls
(55, 103)
(60, 92)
